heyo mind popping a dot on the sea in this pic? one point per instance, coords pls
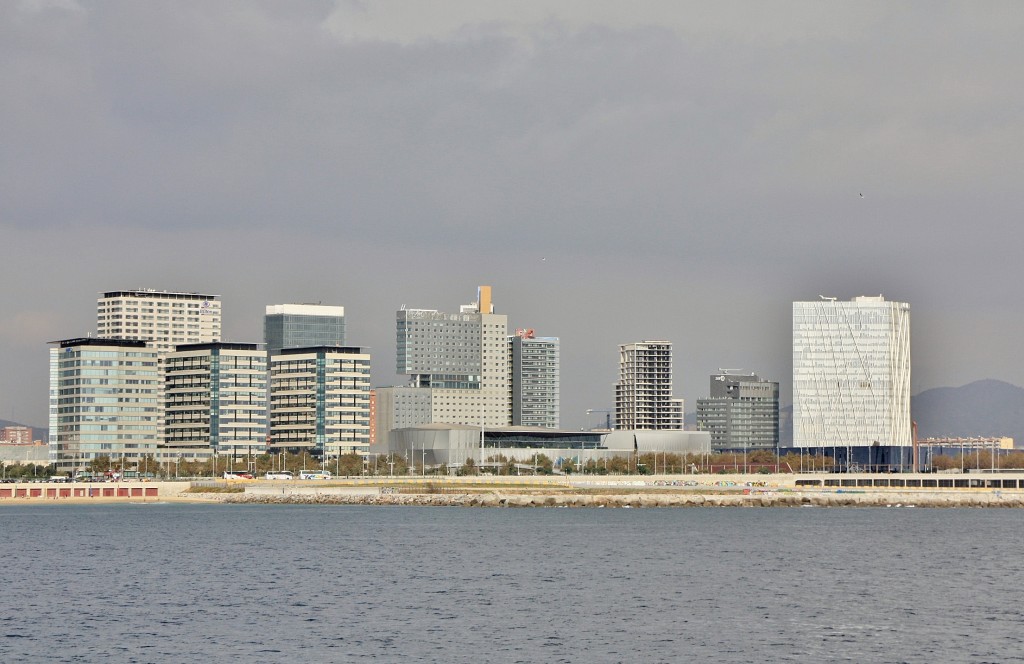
(328, 583)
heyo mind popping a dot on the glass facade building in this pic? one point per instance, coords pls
(303, 326)
(103, 402)
(851, 373)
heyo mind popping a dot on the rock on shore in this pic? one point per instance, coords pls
(766, 499)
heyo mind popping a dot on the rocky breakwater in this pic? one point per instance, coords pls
(761, 499)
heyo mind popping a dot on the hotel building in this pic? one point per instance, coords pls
(163, 319)
(457, 366)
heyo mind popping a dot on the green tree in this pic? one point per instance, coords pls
(545, 466)
(945, 462)
(619, 465)
(349, 464)
(392, 464)
(100, 464)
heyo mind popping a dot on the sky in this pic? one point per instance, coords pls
(617, 172)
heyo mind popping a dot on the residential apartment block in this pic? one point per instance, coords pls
(643, 395)
(534, 379)
(215, 400)
(320, 400)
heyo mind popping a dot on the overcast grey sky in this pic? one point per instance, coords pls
(615, 171)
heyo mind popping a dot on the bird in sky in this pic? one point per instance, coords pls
(862, 195)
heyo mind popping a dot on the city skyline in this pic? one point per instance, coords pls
(674, 171)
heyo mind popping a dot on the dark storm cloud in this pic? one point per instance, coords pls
(686, 171)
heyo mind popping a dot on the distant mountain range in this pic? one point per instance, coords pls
(982, 408)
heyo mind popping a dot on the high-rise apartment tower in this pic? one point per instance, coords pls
(215, 400)
(643, 395)
(534, 379)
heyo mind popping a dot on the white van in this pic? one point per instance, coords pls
(280, 475)
(314, 475)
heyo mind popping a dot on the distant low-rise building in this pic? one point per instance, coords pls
(16, 435)
(34, 453)
(448, 444)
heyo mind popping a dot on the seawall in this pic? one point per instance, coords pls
(326, 496)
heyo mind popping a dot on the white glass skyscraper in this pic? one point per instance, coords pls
(851, 373)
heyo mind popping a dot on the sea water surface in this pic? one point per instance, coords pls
(223, 583)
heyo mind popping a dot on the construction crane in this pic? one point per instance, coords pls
(607, 416)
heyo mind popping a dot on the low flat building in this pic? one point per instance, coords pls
(12, 454)
(434, 444)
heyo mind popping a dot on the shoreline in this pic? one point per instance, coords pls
(950, 491)
(634, 500)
